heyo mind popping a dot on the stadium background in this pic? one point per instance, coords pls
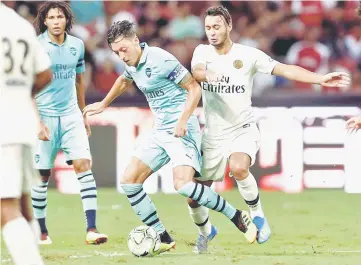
(302, 126)
(304, 142)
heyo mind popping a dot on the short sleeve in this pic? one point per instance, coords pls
(264, 63)
(80, 66)
(171, 68)
(41, 59)
(198, 56)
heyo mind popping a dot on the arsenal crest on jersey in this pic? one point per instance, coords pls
(148, 72)
(73, 51)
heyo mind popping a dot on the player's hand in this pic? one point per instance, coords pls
(87, 126)
(180, 129)
(93, 109)
(44, 133)
(336, 79)
(354, 123)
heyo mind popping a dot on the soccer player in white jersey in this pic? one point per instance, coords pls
(225, 70)
(62, 124)
(25, 70)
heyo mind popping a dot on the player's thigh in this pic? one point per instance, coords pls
(11, 171)
(45, 151)
(148, 157)
(243, 148)
(74, 139)
(214, 160)
(185, 155)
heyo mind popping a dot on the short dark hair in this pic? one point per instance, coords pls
(359, 9)
(43, 12)
(219, 11)
(123, 28)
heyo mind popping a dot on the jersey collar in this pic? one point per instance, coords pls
(47, 38)
(144, 47)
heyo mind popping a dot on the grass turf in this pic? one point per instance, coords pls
(314, 227)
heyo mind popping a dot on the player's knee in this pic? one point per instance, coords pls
(239, 170)
(192, 203)
(129, 179)
(10, 209)
(133, 175)
(45, 174)
(179, 183)
(81, 165)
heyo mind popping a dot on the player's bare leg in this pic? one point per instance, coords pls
(39, 198)
(200, 216)
(132, 184)
(239, 164)
(205, 196)
(88, 193)
(18, 235)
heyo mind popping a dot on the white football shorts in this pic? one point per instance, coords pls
(17, 174)
(216, 152)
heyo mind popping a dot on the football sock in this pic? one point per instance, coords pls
(207, 197)
(39, 199)
(143, 206)
(88, 193)
(21, 243)
(249, 191)
(200, 217)
(34, 225)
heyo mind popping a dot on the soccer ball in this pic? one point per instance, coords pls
(143, 241)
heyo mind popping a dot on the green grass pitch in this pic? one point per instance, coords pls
(315, 227)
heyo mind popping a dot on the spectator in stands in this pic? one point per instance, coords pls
(185, 24)
(310, 54)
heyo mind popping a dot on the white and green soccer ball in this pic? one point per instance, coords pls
(143, 241)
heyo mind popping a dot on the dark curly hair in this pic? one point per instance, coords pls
(219, 11)
(43, 12)
(123, 28)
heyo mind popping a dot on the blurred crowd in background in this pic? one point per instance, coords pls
(321, 36)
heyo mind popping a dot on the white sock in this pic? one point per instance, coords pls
(200, 217)
(20, 242)
(35, 228)
(249, 190)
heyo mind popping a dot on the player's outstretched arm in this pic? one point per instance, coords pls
(120, 85)
(193, 97)
(296, 73)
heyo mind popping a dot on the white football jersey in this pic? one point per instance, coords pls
(21, 58)
(227, 103)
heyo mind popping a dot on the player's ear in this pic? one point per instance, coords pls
(230, 26)
(136, 39)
